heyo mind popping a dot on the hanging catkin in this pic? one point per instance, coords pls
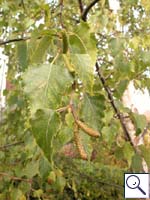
(87, 129)
(78, 143)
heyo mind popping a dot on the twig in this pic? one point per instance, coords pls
(91, 178)
(145, 131)
(73, 112)
(71, 105)
(101, 182)
(80, 6)
(110, 97)
(23, 5)
(10, 145)
(86, 11)
(21, 39)
(62, 109)
(16, 178)
(61, 13)
(14, 40)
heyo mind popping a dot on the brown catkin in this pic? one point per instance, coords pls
(78, 143)
(87, 129)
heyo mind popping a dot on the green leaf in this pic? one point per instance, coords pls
(83, 54)
(60, 183)
(128, 152)
(92, 110)
(52, 176)
(38, 193)
(88, 40)
(145, 55)
(22, 55)
(24, 187)
(69, 119)
(64, 136)
(122, 66)
(84, 66)
(116, 45)
(122, 85)
(109, 133)
(139, 122)
(119, 153)
(46, 85)
(136, 163)
(31, 169)
(87, 143)
(145, 152)
(44, 167)
(40, 50)
(16, 194)
(45, 126)
(76, 45)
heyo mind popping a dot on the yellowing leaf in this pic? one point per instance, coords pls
(60, 183)
(22, 197)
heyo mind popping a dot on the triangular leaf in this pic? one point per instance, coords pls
(139, 122)
(84, 66)
(88, 39)
(93, 110)
(136, 163)
(45, 126)
(76, 45)
(128, 152)
(83, 54)
(40, 50)
(146, 154)
(49, 85)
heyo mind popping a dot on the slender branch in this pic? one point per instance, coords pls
(92, 179)
(21, 39)
(61, 13)
(88, 8)
(23, 5)
(144, 131)
(62, 109)
(73, 112)
(14, 40)
(80, 6)
(119, 115)
(71, 105)
(16, 178)
(10, 145)
(120, 187)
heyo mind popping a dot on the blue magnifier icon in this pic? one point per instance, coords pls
(133, 182)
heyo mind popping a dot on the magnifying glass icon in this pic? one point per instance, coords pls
(133, 182)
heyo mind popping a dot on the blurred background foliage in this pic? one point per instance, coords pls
(51, 49)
